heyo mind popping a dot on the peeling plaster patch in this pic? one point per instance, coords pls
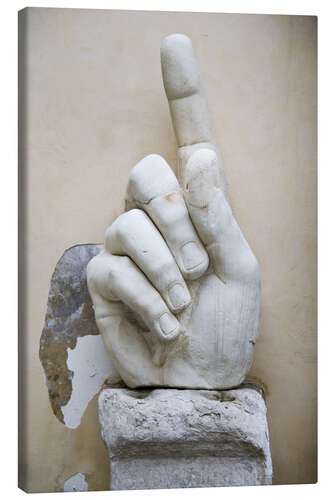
(76, 483)
(91, 366)
(69, 316)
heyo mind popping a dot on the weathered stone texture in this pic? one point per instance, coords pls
(171, 438)
(69, 315)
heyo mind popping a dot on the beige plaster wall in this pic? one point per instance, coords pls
(95, 106)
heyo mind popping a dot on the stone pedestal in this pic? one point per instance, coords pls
(170, 438)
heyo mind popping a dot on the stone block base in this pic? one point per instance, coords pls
(173, 438)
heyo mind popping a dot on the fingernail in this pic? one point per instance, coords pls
(168, 323)
(192, 255)
(179, 297)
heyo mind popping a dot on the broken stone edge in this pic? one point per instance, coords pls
(156, 425)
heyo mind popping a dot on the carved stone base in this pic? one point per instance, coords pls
(170, 438)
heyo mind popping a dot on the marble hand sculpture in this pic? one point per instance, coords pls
(176, 289)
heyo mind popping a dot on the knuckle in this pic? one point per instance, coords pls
(95, 273)
(170, 212)
(128, 220)
(109, 236)
(91, 269)
(151, 177)
(118, 267)
(122, 227)
(143, 167)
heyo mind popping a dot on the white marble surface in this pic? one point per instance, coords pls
(176, 289)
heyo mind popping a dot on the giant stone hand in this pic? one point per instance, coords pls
(176, 290)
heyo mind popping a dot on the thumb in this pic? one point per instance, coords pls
(213, 219)
(203, 195)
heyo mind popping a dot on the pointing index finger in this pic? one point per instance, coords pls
(188, 107)
(184, 91)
